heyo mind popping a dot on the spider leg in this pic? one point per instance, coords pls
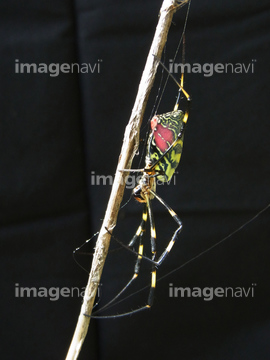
(153, 233)
(175, 234)
(153, 250)
(139, 234)
(141, 228)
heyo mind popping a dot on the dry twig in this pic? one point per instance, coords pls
(129, 148)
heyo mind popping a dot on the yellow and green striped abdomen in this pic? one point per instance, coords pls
(165, 129)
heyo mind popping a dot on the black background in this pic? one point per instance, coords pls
(55, 131)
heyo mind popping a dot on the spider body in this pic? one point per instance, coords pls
(164, 149)
(142, 190)
(165, 130)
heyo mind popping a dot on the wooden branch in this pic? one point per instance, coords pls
(129, 148)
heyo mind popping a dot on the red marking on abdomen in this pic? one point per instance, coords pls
(162, 137)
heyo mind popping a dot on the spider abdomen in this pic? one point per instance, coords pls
(165, 130)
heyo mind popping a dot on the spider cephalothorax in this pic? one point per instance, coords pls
(142, 190)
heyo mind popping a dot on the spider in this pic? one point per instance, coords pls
(163, 153)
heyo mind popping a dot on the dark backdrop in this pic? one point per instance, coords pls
(59, 131)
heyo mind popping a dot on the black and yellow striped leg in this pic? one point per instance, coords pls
(150, 299)
(141, 228)
(177, 231)
(152, 227)
(139, 234)
(153, 250)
